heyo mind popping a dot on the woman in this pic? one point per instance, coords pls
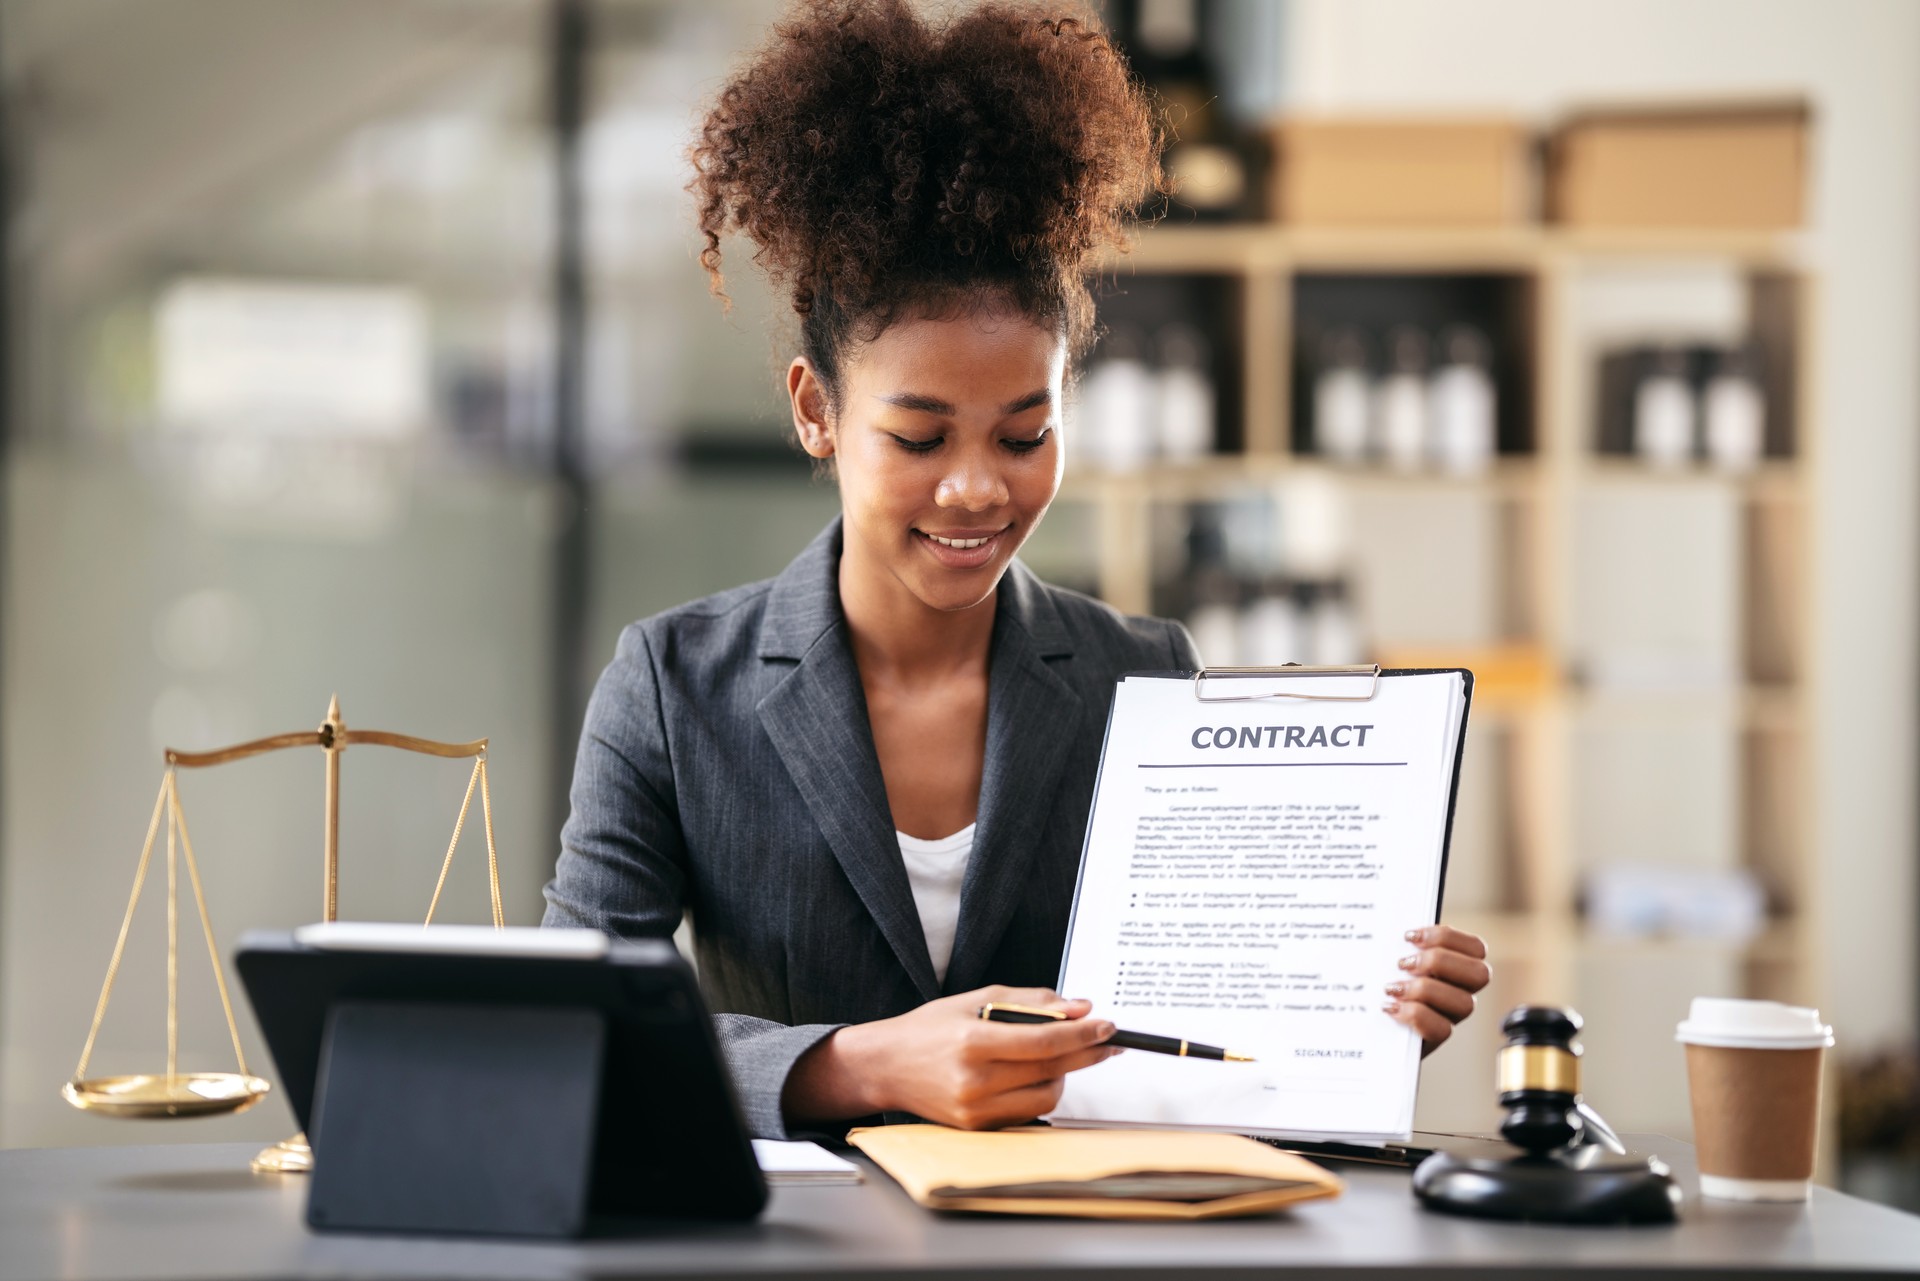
(868, 778)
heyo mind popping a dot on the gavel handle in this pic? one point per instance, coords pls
(1599, 1128)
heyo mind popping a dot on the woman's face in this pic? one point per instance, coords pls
(947, 445)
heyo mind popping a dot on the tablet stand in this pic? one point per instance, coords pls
(454, 1118)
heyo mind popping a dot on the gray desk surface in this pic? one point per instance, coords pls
(136, 1213)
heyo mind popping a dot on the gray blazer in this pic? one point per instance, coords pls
(727, 769)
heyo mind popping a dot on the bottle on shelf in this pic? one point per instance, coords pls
(1199, 588)
(1400, 402)
(1342, 397)
(1249, 536)
(1115, 418)
(1461, 402)
(1314, 529)
(1215, 619)
(1333, 631)
(1271, 627)
(1246, 603)
(1734, 413)
(1663, 411)
(1185, 399)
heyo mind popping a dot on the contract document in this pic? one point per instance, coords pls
(1250, 873)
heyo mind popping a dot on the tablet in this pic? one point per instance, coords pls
(668, 1136)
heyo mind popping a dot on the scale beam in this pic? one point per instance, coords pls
(320, 738)
(196, 760)
(407, 742)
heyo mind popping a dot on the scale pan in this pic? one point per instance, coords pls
(182, 1094)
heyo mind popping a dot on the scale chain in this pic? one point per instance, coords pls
(446, 864)
(126, 924)
(173, 941)
(206, 926)
(167, 803)
(493, 859)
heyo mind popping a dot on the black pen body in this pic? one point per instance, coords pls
(1165, 1045)
(999, 1012)
(1015, 1014)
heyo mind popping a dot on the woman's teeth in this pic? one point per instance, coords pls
(962, 543)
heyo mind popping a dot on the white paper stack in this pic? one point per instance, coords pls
(802, 1162)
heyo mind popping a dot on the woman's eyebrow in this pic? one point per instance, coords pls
(915, 401)
(934, 405)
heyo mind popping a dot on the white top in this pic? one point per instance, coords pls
(935, 869)
(1753, 1025)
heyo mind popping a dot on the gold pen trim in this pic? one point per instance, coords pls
(1231, 1057)
(986, 1011)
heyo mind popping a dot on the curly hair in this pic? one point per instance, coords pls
(885, 164)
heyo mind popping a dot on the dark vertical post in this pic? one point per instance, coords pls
(567, 71)
(9, 394)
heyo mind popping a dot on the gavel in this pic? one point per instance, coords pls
(1561, 1174)
(1539, 1077)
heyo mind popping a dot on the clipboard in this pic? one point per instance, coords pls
(1228, 687)
(1370, 673)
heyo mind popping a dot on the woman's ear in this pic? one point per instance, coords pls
(810, 415)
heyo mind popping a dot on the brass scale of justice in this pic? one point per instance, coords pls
(188, 1094)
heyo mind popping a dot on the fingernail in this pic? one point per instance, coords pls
(1408, 962)
(1415, 936)
(1396, 989)
(1103, 1030)
(1391, 1007)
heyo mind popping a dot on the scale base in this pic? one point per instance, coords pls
(288, 1156)
(1580, 1185)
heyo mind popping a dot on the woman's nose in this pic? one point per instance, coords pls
(973, 484)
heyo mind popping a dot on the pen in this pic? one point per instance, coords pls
(1000, 1012)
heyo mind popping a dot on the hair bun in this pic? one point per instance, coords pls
(876, 155)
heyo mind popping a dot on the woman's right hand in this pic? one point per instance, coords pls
(944, 1063)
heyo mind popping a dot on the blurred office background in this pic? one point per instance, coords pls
(357, 348)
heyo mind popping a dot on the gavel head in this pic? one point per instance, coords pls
(1539, 1073)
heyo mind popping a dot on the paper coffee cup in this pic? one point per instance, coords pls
(1753, 1072)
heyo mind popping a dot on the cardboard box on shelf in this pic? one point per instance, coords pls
(1728, 166)
(1402, 172)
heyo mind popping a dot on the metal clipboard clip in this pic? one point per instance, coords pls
(1290, 671)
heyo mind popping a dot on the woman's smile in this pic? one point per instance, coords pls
(962, 549)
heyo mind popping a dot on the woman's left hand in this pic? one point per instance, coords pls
(1442, 976)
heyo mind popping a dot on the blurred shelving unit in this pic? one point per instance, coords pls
(1518, 875)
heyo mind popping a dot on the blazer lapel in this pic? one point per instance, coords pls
(816, 716)
(1033, 720)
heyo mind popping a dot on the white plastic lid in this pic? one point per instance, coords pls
(1753, 1025)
